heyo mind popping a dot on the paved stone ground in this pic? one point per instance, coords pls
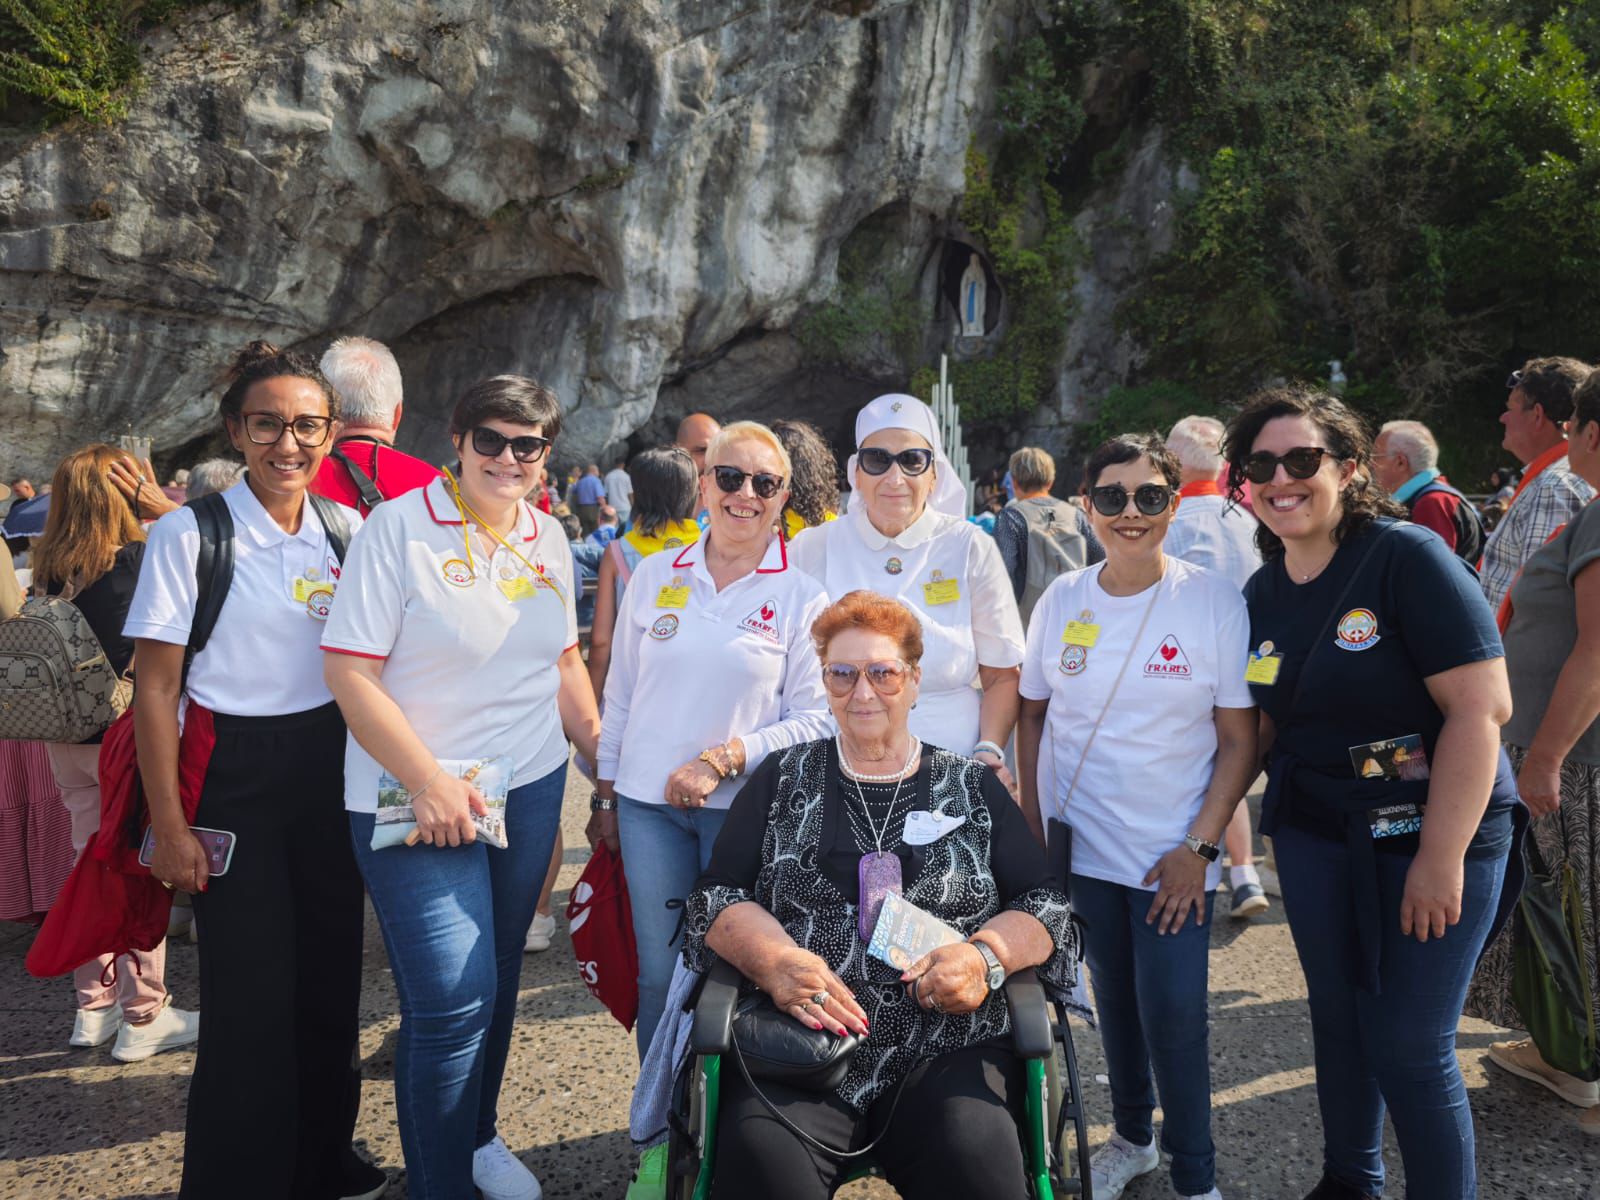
(74, 1123)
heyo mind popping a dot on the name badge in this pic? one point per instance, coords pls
(1395, 820)
(1081, 633)
(519, 588)
(925, 827)
(1263, 669)
(941, 591)
(308, 585)
(673, 596)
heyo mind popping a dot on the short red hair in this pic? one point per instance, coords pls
(875, 613)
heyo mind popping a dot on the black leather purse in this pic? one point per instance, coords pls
(773, 1045)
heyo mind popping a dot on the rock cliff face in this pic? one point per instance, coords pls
(609, 195)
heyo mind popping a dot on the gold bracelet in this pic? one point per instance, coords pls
(705, 757)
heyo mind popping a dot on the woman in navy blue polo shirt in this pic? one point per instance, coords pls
(1382, 686)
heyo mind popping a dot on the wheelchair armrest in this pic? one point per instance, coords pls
(711, 1030)
(1031, 1036)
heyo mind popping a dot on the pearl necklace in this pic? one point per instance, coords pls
(892, 777)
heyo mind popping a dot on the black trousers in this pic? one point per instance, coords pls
(276, 1084)
(953, 1134)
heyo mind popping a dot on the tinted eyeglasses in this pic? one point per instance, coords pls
(264, 429)
(1152, 499)
(762, 483)
(1300, 463)
(875, 461)
(526, 448)
(1514, 382)
(888, 678)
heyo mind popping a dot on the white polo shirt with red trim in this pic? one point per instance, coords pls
(469, 645)
(692, 667)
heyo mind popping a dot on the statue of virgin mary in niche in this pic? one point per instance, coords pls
(974, 286)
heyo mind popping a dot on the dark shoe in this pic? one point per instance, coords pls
(359, 1179)
(1336, 1189)
(1248, 900)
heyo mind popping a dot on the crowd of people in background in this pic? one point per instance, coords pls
(888, 696)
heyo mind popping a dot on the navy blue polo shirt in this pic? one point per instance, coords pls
(1414, 610)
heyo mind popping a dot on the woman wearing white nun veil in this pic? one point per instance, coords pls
(906, 535)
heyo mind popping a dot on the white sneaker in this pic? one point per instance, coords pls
(172, 1027)
(1118, 1163)
(1213, 1194)
(540, 933)
(93, 1026)
(500, 1175)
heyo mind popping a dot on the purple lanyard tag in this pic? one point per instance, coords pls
(878, 874)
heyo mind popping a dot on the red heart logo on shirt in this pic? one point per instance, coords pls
(766, 612)
(1169, 651)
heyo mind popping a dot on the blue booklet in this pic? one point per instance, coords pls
(904, 933)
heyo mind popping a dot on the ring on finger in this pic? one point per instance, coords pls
(820, 999)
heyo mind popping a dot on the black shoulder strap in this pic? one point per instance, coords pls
(333, 524)
(213, 570)
(370, 495)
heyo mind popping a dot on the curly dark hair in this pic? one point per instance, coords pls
(262, 360)
(814, 489)
(1344, 435)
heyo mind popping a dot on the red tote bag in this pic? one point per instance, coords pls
(600, 920)
(111, 904)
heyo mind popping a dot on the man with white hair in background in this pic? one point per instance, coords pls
(364, 469)
(1405, 462)
(1210, 531)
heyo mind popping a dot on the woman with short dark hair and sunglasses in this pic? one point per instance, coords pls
(906, 536)
(711, 671)
(453, 640)
(276, 1085)
(1392, 808)
(1139, 732)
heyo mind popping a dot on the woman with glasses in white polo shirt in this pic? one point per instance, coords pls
(712, 669)
(906, 536)
(454, 640)
(273, 1099)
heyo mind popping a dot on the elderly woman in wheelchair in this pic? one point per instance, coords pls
(877, 892)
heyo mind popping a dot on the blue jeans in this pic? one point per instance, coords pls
(1396, 1049)
(454, 919)
(1150, 998)
(664, 850)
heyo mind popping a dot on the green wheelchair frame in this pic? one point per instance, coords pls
(1040, 1037)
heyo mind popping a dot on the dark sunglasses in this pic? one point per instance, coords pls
(1152, 499)
(875, 461)
(1300, 463)
(265, 429)
(887, 678)
(762, 483)
(525, 449)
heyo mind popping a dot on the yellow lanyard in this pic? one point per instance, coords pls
(463, 510)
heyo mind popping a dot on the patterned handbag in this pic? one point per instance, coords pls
(56, 684)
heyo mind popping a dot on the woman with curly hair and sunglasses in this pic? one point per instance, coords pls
(1392, 807)
(1139, 732)
(906, 536)
(711, 671)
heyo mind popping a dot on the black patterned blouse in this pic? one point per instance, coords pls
(792, 841)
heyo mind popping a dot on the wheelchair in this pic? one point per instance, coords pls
(1052, 1101)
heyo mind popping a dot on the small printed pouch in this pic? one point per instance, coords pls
(396, 824)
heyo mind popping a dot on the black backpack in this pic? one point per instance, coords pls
(1469, 525)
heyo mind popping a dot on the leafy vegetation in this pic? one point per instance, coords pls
(1411, 187)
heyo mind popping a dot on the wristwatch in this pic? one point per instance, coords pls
(996, 976)
(1209, 851)
(599, 803)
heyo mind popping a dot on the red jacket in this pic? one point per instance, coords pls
(393, 472)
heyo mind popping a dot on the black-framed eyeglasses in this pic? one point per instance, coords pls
(265, 429)
(888, 677)
(1300, 463)
(525, 448)
(763, 483)
(875, 460)
(1152, 499)
(1514, 381)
